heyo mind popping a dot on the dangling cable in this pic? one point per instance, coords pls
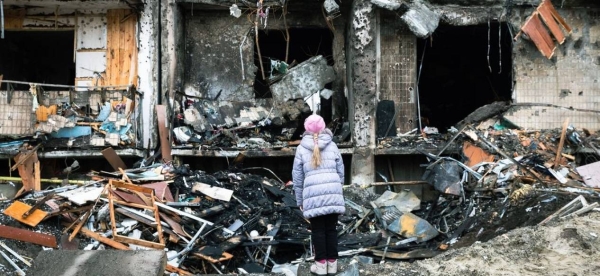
(488, 50)
(500, 46)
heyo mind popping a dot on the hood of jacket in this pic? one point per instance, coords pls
(325, 137)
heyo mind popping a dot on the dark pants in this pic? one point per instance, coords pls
(324, 236)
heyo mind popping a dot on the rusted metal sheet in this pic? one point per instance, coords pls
(27, 236)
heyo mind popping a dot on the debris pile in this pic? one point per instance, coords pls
(110, 123)
(261, 123)
(235, 222)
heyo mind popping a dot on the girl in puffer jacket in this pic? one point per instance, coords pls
(318, 176)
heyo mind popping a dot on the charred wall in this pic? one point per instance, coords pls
(219, 49)
(212, 56)
(362, 72)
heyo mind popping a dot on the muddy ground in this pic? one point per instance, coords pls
(569, 247)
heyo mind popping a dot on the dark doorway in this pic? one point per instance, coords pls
(304, 44)
(38, 56)
(456, 77)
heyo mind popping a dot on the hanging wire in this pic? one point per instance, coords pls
(500, 45)
(488, 49)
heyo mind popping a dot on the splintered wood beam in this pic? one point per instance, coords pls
(561, 143)
(28, 236)
(102, 239)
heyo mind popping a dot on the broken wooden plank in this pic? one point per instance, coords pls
(18, 209)
(163, 132)
(561, 143)
(534, 29)
(113, 184)
(37, 179)
(179, 271)
(102, 239)
(27, 236)
(557, 16)
(113, 159)
(25, 157)
(80, 225)
(550, 21)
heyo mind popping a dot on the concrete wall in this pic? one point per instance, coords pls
(212, 56)
(147, 72)
(570, 79)
(212, 60)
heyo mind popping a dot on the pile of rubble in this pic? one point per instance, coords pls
(235, 222)
(260, 123)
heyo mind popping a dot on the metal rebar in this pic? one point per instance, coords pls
(15, 254)
(19, 271)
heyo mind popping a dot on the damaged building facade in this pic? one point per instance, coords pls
(206, 79)
(172, 125)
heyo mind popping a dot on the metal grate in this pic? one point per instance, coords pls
(398, 69)
(16, 117)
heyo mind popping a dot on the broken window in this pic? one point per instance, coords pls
(463, 68)
(304, 44)
(38, 56)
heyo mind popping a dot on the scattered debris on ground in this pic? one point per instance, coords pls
(233, 221)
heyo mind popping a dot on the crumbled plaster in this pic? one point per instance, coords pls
(303, 80)
(570, 79)
(362, 26)
(388, 4)
(212, 56)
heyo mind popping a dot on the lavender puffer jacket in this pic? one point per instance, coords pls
(319, 190)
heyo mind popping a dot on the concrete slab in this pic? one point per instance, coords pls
(303, 80)
(99, 263)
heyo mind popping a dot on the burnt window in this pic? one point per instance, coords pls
(456, 77)
(304, 44)
(38, 56)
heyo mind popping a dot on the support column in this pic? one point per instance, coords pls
(362, 79)
(147, 73)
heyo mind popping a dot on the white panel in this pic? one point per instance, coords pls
(49, 21)
(88, 62)
(91, 32)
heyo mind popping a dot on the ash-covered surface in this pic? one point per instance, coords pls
(567, 247)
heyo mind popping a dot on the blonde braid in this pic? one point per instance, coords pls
(316, 158)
